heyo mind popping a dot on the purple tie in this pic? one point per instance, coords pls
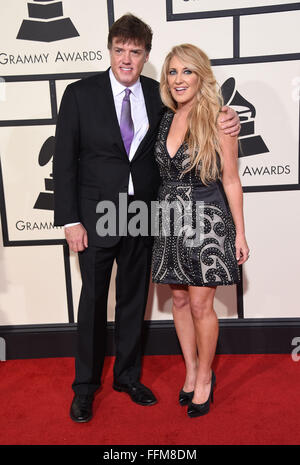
(126, 123)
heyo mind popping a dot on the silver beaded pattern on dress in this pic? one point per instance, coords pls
(178, 255)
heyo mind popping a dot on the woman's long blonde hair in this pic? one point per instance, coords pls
(202, 133)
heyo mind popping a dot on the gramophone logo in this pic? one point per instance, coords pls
(250, 144)
(46, 23)
(45, 200)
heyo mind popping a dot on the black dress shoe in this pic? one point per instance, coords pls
(139, 393)
(81, 408)
(185, 397)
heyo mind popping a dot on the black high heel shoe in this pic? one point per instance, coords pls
(196, 410)
(185, 397)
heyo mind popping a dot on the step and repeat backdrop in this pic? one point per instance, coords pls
(254, 49)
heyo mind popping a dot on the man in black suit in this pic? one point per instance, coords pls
(95, 161)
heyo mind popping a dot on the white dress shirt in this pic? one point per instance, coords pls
(138, 114)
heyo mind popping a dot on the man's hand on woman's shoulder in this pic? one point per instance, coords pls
(229, 121)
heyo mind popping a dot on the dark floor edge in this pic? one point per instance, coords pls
(247, 336)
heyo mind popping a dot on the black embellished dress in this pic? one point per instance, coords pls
(194, 233)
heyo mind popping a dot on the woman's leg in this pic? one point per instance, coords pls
(186, 333)
(207, 330)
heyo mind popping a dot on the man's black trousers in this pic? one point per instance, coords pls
(133, 259)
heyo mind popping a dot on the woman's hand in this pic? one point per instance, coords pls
(242, 249)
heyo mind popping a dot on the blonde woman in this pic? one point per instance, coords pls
(201, 240)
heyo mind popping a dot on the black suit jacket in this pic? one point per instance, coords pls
(90, 161)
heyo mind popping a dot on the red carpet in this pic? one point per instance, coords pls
(256, 402)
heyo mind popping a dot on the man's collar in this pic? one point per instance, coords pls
(118, 88)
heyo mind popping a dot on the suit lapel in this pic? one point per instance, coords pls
(150, 102)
